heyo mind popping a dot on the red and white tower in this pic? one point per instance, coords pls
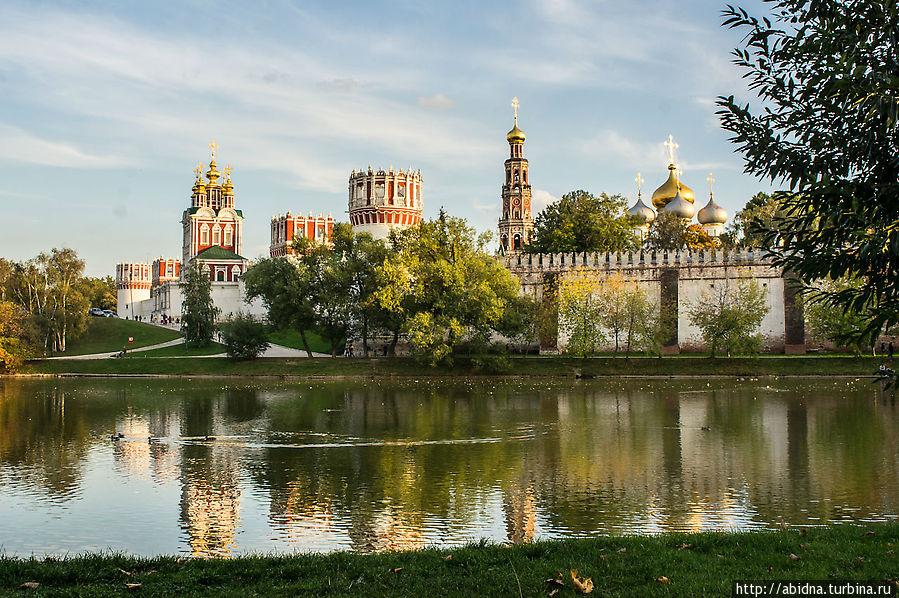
(383, 200)
(212, 227)
(132, 281)
(516, 225)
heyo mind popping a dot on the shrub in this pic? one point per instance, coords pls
(244, 337)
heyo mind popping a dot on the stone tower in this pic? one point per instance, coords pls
(384, 199)
(516, 224)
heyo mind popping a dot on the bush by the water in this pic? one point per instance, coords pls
(244, 337)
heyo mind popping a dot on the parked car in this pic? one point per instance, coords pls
(110, 314)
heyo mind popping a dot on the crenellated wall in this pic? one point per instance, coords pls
(677, 278)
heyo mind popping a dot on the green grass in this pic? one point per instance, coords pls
(291, 338)
(108, 335)
(522, 366)
(181, 351)
(665, 565)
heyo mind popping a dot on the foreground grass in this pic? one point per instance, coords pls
(522, 366)
(672, 564)
(108, 335)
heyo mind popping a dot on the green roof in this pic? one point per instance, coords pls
(217, 253)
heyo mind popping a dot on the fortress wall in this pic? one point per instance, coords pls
(684, 277)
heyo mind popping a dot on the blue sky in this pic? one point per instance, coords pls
(106, 108)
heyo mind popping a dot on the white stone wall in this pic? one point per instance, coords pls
(229, 297)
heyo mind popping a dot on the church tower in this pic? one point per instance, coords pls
(516, 225)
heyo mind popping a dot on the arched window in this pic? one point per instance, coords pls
(216, 235)
(204, 235)
(228, 235)
(505, 241)
(516, 243)
(220, 275)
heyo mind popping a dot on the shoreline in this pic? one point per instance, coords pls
(677, 564)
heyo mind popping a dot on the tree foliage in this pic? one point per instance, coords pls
(244, 337)
(581, 221)
(198, 311)
(729, 316)
(840, 326)
(669, 233)
(17, 339)
(827, 75)
(99, 292)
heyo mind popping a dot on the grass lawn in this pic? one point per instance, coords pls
(291, 338)
(108, 335)
(521, 366)
(693, 565)
(181, 351)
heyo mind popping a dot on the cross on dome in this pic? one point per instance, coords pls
(711, 181)
(212, 147)
(639, 181)
(671, 146)
(515, 106)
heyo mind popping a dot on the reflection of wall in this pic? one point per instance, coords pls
(210, 500)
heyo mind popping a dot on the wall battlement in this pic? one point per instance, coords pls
(641, 259)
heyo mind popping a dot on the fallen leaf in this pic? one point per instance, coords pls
(581, 586)
(770, 569)
(802, 546)
(870, 533)
(622, 550)
(861, 559)
(555, 581)
(803, 532)
(448, 557)
(663, 580)
(684, 546)
(891, 551)
(602, 557)
(554, 592)
(398, 569)
(30, 585)
(128, 573)
(720, 556)
(793, 557)
(132, 586)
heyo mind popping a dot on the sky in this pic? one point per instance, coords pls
(107, 107)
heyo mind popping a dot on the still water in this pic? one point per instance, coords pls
(208, 467)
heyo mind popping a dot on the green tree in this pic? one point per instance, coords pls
(840, 326)
(98, 292)
(284, 285)
(446, 287)
(580, 221)
(730, 316)
(198, 312)
(15, 344)
(750, 226)
(669, 233)
(826, 73)
(581, 311)
(244, 337)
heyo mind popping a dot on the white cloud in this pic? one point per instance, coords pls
(437, 101)
(21, 146)
(540, 199)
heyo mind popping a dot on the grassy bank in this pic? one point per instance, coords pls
(524, 366)
(181, 351)
(108, 335)
(669, 565)
(291, 338)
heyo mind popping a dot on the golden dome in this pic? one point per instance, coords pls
(212, 174)
(666, 192)
(516, 135)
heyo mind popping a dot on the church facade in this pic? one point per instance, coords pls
(212, 234)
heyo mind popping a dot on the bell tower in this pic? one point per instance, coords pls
(516, 224)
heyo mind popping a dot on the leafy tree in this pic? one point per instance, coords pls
(580, 221)
(98, 292)
(198, 312)
(15, 344)
(581, 311)
(828, 127)
(840, 326)
(284, 285)
(669, 233)
(445, 286)
(244, 337)
(751, 225)
(729, 316)
(7, 270)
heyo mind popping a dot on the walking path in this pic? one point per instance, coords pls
(272, 351)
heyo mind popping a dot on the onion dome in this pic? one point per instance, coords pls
(212, 174)
(666, 192)
(228, 187)
(680, 207)
(516, 135)
(199, 185)
(712, 213)
(642, 212)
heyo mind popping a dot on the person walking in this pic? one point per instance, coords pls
(890, 349)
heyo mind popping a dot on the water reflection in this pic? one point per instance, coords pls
(208, 468)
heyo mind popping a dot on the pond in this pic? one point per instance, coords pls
(215, 467)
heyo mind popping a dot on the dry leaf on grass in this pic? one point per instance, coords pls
(663, 580)
(684, 546)
(448, 557)
(397, 570)
(870, 533)
(802, 546)
(132, 586)
(622, 550)
(555, 581)
(803, 532)
(581, 586)
(794, 557)
(128, 573)
(30, 585)
(554, 592)
(602, 557)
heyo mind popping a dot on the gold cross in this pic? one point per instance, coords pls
(212, 147)
(227, 171)
(515, 106)
(639, 181)
(671, 147)
(199, 170)
(711, 180)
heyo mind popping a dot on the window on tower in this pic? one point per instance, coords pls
(228, 236)
(216, 235)
(204, 235)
